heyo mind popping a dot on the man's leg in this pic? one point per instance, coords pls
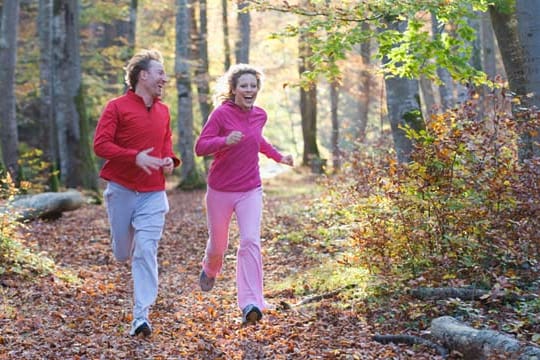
(120, 203)
(148, 222)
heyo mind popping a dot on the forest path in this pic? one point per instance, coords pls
(52, 319)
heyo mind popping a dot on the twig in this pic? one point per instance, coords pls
(318, 297)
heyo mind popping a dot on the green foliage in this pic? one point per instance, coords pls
(463, 205)
(327, 277)
(36, 175)
(408, 53)
(14, 257)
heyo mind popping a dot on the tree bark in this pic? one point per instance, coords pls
(244, 34)
(424, 293)
(133, 6)
(46, 124)
(402, 100)
(202, 76)
(76, 164)
(226, 40)
(476, 344)
(334, 101)
(8, 60)
(49, 205)
(364, 89)
(308, 106)
(521, 55)
(446, 90)
(189, 176)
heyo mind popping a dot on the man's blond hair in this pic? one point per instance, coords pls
(139, 62)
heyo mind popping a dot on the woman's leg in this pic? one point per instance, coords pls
(249, 269)
(219, 209)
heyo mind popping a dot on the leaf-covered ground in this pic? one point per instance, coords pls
(53, 319)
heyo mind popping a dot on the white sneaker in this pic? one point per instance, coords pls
(139, 326)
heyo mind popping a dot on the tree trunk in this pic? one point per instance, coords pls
(479, 344)
(334, 101)
(226, 40)
(46, 106)
(403, 110)
(244, 35)
(521, 56)
(364, 89)
(189, 176)
(446, 90)
(76, 163)
(308, 107)
(8, 60)
(202, 77)
(132, 27)
(427, 97)
(402, 101)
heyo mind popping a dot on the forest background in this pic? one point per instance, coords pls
(423, 132)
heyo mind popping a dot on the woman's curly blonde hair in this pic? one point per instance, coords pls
(227, 83)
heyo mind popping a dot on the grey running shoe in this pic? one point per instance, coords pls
(206, 282)
(251, 314)
(140, 326)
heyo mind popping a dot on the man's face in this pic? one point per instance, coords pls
(153, 80)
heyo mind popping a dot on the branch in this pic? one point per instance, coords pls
(340, 14)
(316, 298)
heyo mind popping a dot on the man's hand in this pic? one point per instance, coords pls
(148, 162)
(168, 166)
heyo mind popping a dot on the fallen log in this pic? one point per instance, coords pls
(48, 205)
(475, 344)
(467, 293)
(427, 293)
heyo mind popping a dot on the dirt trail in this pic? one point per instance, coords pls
(51, 319)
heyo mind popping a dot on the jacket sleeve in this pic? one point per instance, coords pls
(167, 150)
(210, 141)
(104, 145)
(267, 149)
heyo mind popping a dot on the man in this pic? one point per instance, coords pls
(133, 135)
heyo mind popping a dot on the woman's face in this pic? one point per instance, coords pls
(246, 91)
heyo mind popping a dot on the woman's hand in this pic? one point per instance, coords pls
(287, 160)
(234, 138)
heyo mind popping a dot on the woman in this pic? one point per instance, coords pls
(233, 135)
